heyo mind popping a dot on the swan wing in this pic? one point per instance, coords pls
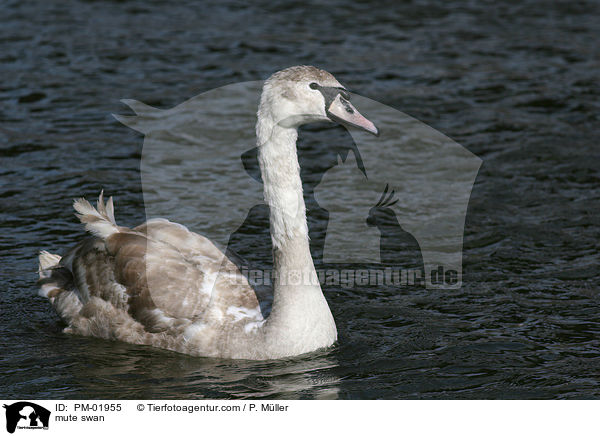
(162, 274)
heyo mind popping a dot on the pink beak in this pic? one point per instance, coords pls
(341, 111)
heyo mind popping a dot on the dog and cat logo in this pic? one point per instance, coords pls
(26, 415)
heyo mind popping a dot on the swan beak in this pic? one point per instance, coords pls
(341, 111)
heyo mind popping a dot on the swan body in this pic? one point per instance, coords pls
(162, 285)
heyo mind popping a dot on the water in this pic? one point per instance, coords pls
(516, 84)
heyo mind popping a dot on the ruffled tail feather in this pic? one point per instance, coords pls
(99, 220)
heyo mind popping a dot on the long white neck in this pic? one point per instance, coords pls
(300, 316)
(280, 172)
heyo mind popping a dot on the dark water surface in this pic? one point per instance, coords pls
(516, 83)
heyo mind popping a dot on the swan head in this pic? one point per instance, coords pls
(305, 94)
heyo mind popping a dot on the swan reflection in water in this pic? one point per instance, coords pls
(119, 370)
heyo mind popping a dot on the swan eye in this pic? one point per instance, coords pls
(314, 85)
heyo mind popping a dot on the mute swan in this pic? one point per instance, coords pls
(162, 285)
